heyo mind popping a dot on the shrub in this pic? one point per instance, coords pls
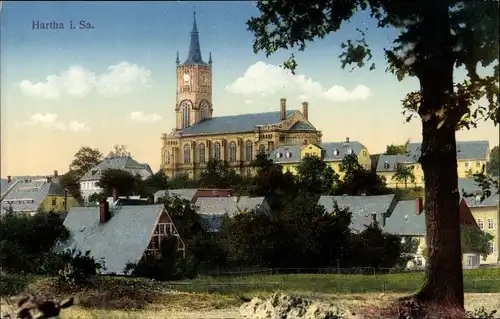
(75, 268)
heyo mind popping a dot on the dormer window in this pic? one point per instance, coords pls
(279, 155)
(288, 154)
(386, 164)
(349, 151)
(335, 152)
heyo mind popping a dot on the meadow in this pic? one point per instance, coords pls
(220, 297)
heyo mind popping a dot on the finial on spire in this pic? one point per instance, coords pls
(209, 57)
(194, 12)
(177, 61)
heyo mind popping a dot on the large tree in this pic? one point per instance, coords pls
(395, 149)
(315, 176)
(84, 160)
(494, 163)
(435, 37)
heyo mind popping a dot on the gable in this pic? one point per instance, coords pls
(311, 150)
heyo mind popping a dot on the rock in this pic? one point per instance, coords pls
(282, 306)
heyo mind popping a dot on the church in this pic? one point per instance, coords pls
(200, 136)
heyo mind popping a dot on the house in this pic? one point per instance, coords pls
(88, 182)
(119, 234)
(213, 209)
(472, 157)
(191, 194)
(363, 208)
(41, 195)
(290, 156)
(6, 183)
(487, 216)
(408, 221)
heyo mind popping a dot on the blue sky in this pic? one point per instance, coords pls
(140, 39)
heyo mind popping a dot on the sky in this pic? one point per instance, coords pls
(113, 81)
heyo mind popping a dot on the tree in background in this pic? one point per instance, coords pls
(494, 163)
(404, 174)
(434, 38)
(395, 149)
(71, 183)
(475, 241)
(125, 183)
(315, 176)
(219, 174)
(357, 180)
(156, 182)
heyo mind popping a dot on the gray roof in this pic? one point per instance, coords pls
(405, 221)
(194, 55)
(466, 150)
(361, 207)
(118, 162)
(3, 185)
(235, 123)
(332, 151)
(182, 193)
(121, 240)
(491, 201)
(213, 209)
(388, 163)
(26, 196)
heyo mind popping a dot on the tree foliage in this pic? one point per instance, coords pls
(394, 149)
(404, 174)
(219, 174)
(494, 163)
(357, 180)
(84, 160)
(315, 176)
(123, 181)
(475, 241)
(70, 182)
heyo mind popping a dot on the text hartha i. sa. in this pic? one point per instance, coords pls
(58, 25)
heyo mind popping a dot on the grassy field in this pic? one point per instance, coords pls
(209, 297)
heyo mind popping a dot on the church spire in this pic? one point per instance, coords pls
(194, 56)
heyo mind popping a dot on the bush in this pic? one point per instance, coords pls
(76, 269)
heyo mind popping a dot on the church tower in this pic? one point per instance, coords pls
(194, 85)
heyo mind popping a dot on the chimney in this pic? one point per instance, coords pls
(305, 110)
(374, 219)
(104, 214)
(151, 200)
(115, 194)
(347, 139)
(56, 174)
(419, 205)
(49, 179)
(9, 179)
(283, 109)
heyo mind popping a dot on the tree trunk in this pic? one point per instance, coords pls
(444, 278)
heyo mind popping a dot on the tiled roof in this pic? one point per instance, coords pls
(466, 150)
(235, 123)
(332, 151)
(27, 196)
(212, 209)
(475, 201)
(361, 207)
(121, 162)
(405, 221)
(388, 163)
(121, 240)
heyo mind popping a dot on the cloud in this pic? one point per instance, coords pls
(248, 101)
(50, 121)
(266, 79)
(141, 117)
(78, 82)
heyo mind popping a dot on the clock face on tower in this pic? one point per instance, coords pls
(187, 77)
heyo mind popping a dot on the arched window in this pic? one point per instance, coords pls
(187, 154)
(232, 152)
(248, 151)
(186, 109)
(204, 106)
(262, 149)
(217, 151)
(201, 153)
(166, 159)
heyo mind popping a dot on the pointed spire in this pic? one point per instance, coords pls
(177, 61)
(194, 56)
(209, 57)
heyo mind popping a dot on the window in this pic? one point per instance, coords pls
(187, 154)
(307, 154)
(54, 201)
(364, 153)
(335, 152)
(480, 223)
(349, 151)
(166, 157)
(467, 164)
(204, 105)
(491, 247)
(248, 151)
(262, 149)
(186, 109)
(478, 164)
(279, 155)
(490, 224)
(471, 260)
(288, 154)
(386, 164)
(232, 152)
(201, 153)
(419, 262)
(217, 151)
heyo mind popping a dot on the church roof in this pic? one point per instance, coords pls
(194, 55)
(235, 123)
